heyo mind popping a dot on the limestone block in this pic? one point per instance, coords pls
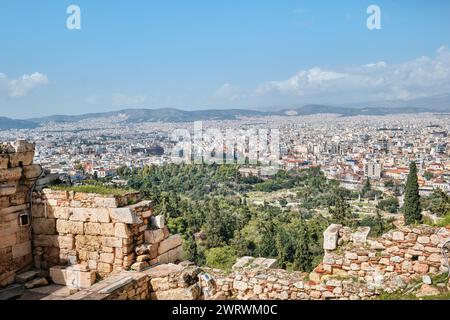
(7, 189)
(66, 242)
(59, 213)
(10, 174)
(90, 215)
(21, 158)
(104, 267)
(154, 236)
(398, 236)
(43, 226)
(124, 215)
(94, 228)
(107, 257)
(331, 236)
(106, 202)
(69, 227)
(45, 240)
(4, 161)
(361, 234)
(121, 230)
(72, 276)
(139, 266)
(191, 293)
(112, 242)
(23, 146)
(158, 221)
(170, 243)
(21, 249)
(32, 172)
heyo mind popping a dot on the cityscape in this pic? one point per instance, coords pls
(232, 154)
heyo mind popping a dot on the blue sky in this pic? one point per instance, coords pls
(217, 54)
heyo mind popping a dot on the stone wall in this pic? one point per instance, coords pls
(163, 282)
(354, 267)
(17, 177)
(103, 232)
(395, 258)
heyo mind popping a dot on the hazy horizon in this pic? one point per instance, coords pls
(198, 56)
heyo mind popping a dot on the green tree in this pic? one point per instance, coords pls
(411, 208)
(190, 248)
(341, 211)
(366, 188)
(221, 258)
(303, 256)
(428, 175)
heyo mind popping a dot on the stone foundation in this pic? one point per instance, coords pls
(17, 176)
(101, 232)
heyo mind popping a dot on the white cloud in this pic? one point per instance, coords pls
(16, 88)
(374, 81)
(227, 91)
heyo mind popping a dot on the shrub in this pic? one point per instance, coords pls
(221, 258)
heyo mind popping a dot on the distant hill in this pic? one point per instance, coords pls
(436, 104)
(7, 124)
(157, 115)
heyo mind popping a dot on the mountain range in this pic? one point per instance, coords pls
(435, 104)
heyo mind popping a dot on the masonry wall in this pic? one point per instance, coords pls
(107, 233)
(353, 267)
(17, 176)
(163, 282)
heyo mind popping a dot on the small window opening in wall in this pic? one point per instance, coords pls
(24, 219)
(415, 258)
(21, 164)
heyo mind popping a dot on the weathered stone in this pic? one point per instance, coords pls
(112, 242)
(71, 227)
(43, 226)
(32, 172)
(90, 215)
(107, 257)
(361, 234)
(423, 239)
(170, 243)
(124, 215)
(38, 282)
(139, 266)
(26, 276)
(121, 230)
(331, 236)
(154, 236)
(21, 249)
(45, 240)
(10, 174)
(158, 221)
(398, 236)
(427, 291)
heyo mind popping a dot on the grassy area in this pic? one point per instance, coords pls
(99, 189)
(401, 296)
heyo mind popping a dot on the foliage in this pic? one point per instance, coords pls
(221, 258)
(341, 211)
(99, 189)
(412, 209)
(390, 205)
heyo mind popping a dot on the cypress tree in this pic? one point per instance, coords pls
(303, 254)
(411, 207)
